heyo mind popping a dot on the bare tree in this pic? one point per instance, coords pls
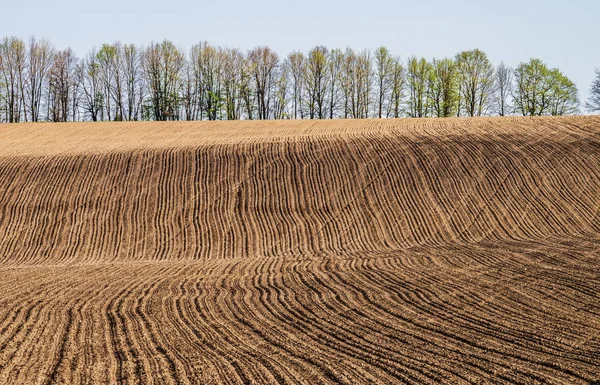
(206, 63)
(364, 84)
(334, 69)
(247, 92)
(41, 54)
(295, 64)
(347, 82)
(105, 58)
(189, 93)
(232, 68)
(133, 78)
(356, 82)
(593, 103)
(112, 65)
(263, 63)
(195, 66)
(62, 80)
(281, 91)
(504, 86)
(13, 61)
(317, 82)
(384, 74)
(88, 76)
(163, 64)
(398, 81)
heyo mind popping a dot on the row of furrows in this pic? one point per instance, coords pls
(443, 253)
(259, 320)
(296, 197)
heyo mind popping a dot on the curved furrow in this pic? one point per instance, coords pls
(384, 251)
(310, 316)
(435, 310)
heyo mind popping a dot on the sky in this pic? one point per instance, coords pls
(563, 33)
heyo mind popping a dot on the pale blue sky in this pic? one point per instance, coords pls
(564, 33)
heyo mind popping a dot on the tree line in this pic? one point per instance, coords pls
(163, 82)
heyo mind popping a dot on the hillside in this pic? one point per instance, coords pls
(347, 251)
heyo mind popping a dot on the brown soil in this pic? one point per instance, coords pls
(382, 251)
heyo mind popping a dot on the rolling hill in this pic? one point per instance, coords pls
(301, 252)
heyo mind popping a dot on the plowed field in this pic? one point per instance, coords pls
(383, 251)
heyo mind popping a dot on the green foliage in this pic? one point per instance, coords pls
(418, 75)
(317, 82)
(384, 69)
(161, 82)
(107, 53)
(215, 103)
(476, 81)
(543, 91)
(565, 98)
(443, 88)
